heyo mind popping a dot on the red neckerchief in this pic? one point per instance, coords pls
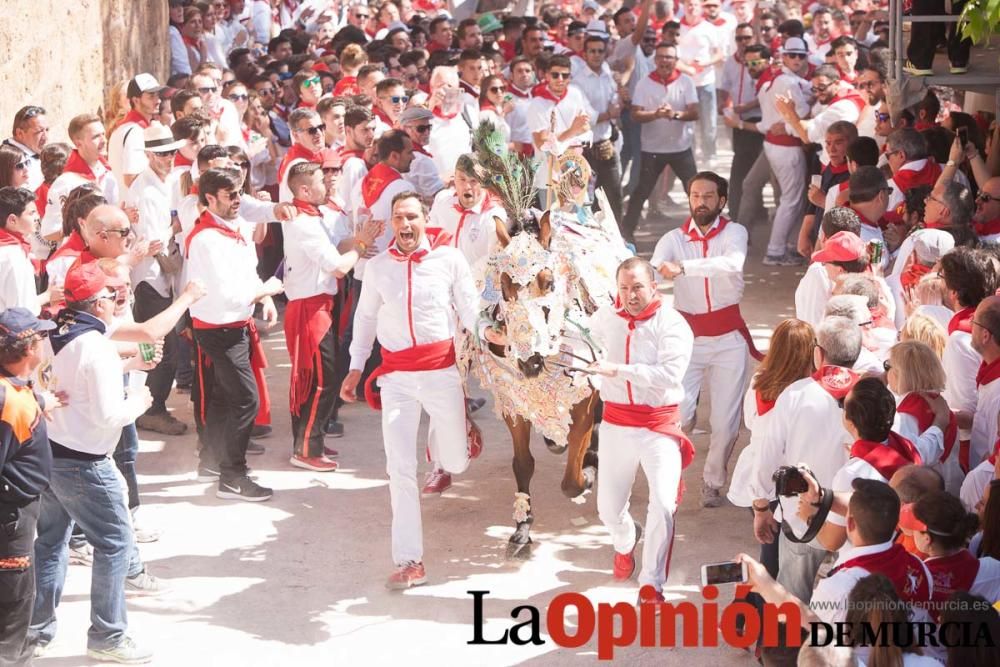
(77, 165)
(8, 237)
(416, 256)
(689, 227)
(245, 131)
(488, 106)
(306, 208)
(763, 407)
(194, 190)
(191, 41)
(207, 221)
(987, 373)
(927, 175)
(181, 161)
(676, 74)
(851, 96)
(467, 87)
(517, 92)
(542, 90)
(847, 77)
(134, 116)
(836, 380)
(886, 457)
(434, 46)
(767, 77)
(345, 154)
(334, 206)
(917, 407)
(912, 275)
(647, 313)
(72, 247)
(382, 115)
(687, 23)
(718, 23)
(950, 574)
(297, 152)
(376, 181)
(961, 321)
(305, 105)
(881, 224)
(440, 114)
(988, 228)
(903, 569)
(464, 213)
(422, 149)
(836, 170)
(922, 125)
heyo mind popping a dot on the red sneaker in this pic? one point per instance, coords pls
(314, 463)
(406, 576)
(437, 482)
(649, 595)
(624, 565)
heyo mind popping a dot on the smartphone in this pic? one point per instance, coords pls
(731, 572)
(963, 135)
(817, 180)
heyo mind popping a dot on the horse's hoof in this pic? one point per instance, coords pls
(589, 477)
(519, 552)
(554, 448)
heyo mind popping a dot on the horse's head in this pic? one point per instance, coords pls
(532, 303)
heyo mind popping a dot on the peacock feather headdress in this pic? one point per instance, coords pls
(508, 175)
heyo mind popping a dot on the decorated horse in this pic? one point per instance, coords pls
(549, 272)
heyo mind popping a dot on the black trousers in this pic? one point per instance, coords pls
(609, 176)
(149, 304)
(747, 146)
(925, 37)
(233, 402)
(17, 585)
(652, 166)
(308, 426)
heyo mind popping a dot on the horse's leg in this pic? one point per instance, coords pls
(524, 469)
(577, 478)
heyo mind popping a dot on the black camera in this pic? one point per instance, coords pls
(789, 481)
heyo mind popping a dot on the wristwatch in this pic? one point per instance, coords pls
(361, 245)
(677, 115)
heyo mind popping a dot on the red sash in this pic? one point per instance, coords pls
(836, 380)
(296, 152)
(722, 321)
(77, 165)
(307, 321)
(951, 574)
(988, 228)
(258, 361)
(207, 221)
(376, 181)
(926, 175)
(961, 321)
(904, 570)
(542, 90)
(917, 407)
(134, 116)
(887, 457)
(427, 357)
(987, 373)
(663, 419)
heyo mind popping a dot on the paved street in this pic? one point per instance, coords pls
(299, 580)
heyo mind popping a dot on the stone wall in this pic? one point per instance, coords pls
(65, 54)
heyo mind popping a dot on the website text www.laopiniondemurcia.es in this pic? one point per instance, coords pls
(738, 624)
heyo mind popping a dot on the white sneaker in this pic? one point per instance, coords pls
(127, 652)
(143, 584)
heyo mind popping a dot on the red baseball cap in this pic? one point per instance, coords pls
(84, 281)
(841, 247)
(331, 158)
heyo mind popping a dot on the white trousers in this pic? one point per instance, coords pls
(404, 395)
(789, 166)
(623, 450)
(723, 361)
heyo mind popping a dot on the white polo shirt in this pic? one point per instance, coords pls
(665, 135)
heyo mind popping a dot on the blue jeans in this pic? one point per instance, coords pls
(89, 493)
(707, 119)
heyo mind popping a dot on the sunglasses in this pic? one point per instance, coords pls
(881, 117)
(411, 77)
(232, 195)
(121, 233)
(332, 170)
(265, 92)
(169, 154)
(314, 81)
(821, 89)
(361, 16)
(239, 98)
(397, 99)
(744, 38)
(22, 165)
(422, 128)
(559, 75)
(500, 89)
(985, 196)
(207, 89)
(797, 56)
(596, 52)
(315, 130)
(756, 63)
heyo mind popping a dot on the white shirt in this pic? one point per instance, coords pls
(517, 119)
(652, 359)
(545, 115)
(311, 254)
(785, 84)
(736, 81)
(380, 210)
(152, 197)
(929, 443)
(825, 116)
(423, 174)
(179, 61)
(89, 369)
(17, 280)
(817, 49)
(812, 294)
(699, 42)
(806, 427)
(66, 183)
(406, 303)
(984, 422)
(449, 138)
(711, 280)
(354, 169)
(829, 598)
(127, 153)
(855, 468)
(473, 230)
(601, 92)
(665, 135)
(228, 269)
(961, 363)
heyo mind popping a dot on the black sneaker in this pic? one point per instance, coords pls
(260, 431)
(243, 488)
(208, 473)
(255, 448)
(334, 429)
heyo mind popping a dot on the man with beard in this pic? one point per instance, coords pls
(986, 220)
(738, 100)
(409, 304)
(649, 346)
(820, 38)
(871, 84)
(704, 257)
(359, 137)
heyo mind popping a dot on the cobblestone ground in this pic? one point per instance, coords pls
(299, 580)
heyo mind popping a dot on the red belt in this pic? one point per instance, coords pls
(722, 321)
(663, 419)
(782, 139)
(427, 357)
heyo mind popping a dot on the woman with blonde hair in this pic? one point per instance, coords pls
(116, 106)
(925, 329)
(352, 59)
(916, 378)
